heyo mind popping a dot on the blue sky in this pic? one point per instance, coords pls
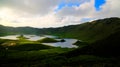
(69, 4)
(97, 4)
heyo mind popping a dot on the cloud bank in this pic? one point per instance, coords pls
(42, 13)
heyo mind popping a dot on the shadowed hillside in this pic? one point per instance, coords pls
(107, 47)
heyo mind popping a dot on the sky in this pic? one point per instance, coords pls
(55, 13)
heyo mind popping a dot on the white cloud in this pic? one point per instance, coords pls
(110, 9)
(84, 10)
(75, 14)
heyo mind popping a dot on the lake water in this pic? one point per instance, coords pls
(68, 42)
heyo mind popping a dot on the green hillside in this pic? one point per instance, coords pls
(89, 31)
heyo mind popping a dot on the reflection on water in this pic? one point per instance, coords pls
(30, 37)
(12, 37)
(68, 42)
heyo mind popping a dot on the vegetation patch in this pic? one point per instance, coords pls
(47, 40)
(80, 43)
